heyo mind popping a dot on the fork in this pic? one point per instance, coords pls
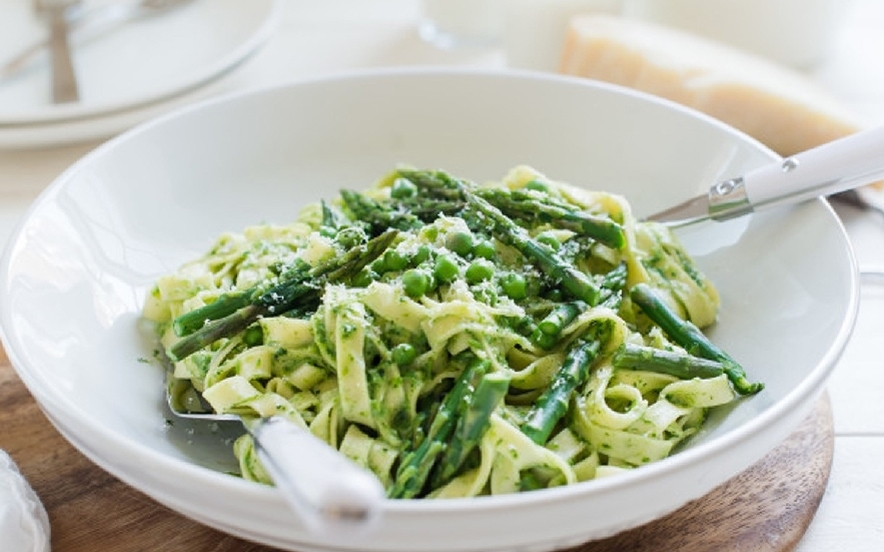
(91, 20)
(64, 79)
(865, 199)
(860, 198)
(330, 493)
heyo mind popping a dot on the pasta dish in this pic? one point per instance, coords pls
(457, 339)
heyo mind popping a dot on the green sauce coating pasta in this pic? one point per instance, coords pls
(456, 339)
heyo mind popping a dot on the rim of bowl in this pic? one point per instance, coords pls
(47, 396)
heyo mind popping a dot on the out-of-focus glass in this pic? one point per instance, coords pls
(534, 31)
(458, 23)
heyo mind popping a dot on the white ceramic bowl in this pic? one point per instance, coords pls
(75, 273)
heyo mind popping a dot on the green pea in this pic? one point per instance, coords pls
(403, 189)
(485, 249)
(461, 243)
(514, 285)
(328, 232)
(445, 269)
(430, 233)
(364, 277)
(479, 271)
(421, 255)
(253, 335)
(394, 261)
(350, 236)
(404, 354)
(415, 282)
(550, 240)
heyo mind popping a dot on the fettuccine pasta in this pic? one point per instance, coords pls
(455, 339)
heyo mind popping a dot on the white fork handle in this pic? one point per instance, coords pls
(332, 494)
(843, 164)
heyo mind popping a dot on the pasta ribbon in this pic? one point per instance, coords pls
(455, 339)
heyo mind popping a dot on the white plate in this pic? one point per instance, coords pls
(136, 64)
(74, 275)
(71, 131)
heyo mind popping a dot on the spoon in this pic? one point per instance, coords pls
(844, 164)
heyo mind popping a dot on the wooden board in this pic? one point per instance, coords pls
(765, 509)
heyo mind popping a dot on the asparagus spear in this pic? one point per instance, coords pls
(612, 284)
(415, 467)
(231, 302)
(560, 317)
(553, 403)
(615, 279)
(523, 206)
(404, 213)
(331, 218)
(689, 337)
(376, 215)
(471, 425)
(226, 304)
(674, 363)
(284, 296)
(548, 330)
(575, 282)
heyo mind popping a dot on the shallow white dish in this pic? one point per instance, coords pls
(135, 64)
(76, 271)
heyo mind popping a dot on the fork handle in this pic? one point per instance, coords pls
(64, 80)
(846, 163)
(330, 492)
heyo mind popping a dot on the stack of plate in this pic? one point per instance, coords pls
(128, 71)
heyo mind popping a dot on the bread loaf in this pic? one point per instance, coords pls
(778, 106)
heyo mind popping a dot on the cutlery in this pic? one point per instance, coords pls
(844, 164)
(99, 18)
(328, 491)
(861, 198)
(64, 80)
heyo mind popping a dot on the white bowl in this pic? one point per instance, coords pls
(76, 271)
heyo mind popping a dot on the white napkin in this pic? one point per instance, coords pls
(24, 525)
